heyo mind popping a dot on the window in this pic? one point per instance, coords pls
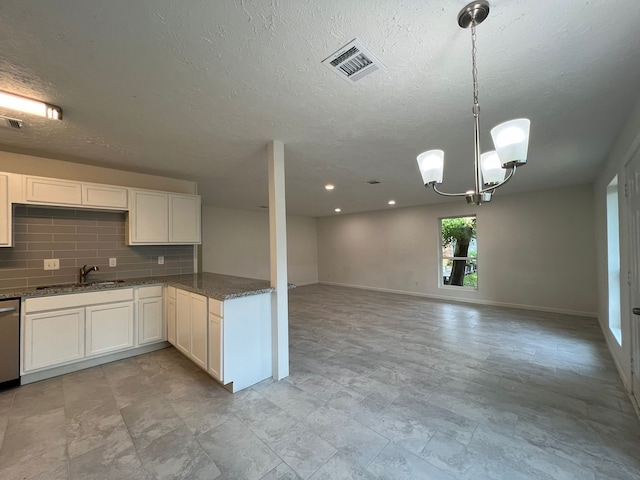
(613, 259)
(459, 252)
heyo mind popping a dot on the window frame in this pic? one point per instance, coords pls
(442, 258)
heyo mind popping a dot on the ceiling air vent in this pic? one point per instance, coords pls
(6, 122)
(353, 62)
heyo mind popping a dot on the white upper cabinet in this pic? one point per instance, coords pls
(148, 217)
(5, 212)
(51, 191)
(159, 218)
(184, 218)
(104, 196)
(155, 218)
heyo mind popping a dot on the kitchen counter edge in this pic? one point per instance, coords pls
(216, 286)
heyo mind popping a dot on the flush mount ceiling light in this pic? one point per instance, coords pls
(328, 186)
(337, 210)
(511, 139)
(27, 105)
(391, 202)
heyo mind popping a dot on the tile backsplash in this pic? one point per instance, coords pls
(79, 237)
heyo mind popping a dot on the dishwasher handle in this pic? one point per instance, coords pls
(8, 309)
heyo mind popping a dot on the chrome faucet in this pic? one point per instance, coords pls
(84, 271)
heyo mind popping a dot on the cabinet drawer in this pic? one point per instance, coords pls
(149, 292)
(71, 300)
(215, 307)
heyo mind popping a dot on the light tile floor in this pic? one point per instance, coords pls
(382, 386)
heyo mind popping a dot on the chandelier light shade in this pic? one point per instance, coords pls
(431, 166)
(492, 171)
(511, 139)
(28, 105)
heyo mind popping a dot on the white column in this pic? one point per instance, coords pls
(278, 255)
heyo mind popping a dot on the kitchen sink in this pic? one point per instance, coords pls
(73, 285)
(60, 285)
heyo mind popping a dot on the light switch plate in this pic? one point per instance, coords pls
(113, 262)
(160, 260)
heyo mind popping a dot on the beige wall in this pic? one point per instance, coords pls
(535, 250)
(236, 242)
(46, 167)
(626, 146)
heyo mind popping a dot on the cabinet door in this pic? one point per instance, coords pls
(109, 328)
(104, 196)
(5, 212)
(184, 219)
(183, 322)
(148, 217)
(199, 330)
(150, 325)
(171, 320)
(52, 191)
(215, 347)
(53, 338)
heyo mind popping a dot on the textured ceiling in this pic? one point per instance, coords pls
(196, 89)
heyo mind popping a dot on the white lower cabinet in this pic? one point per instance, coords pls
(109, 328)
(150, 319)
(171, 315)
(64, 329)
(183, 322)
(191, 326)
(53, 338)
(199, 330)
(230, 339)
(216, 346)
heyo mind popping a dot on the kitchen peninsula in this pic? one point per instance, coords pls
(222, 323)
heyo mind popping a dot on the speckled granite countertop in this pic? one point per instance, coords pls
(213, 285)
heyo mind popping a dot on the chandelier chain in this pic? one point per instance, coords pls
(474, 68)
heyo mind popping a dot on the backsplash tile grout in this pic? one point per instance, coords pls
(78, 237)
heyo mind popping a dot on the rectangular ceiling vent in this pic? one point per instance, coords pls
(353, 62)
(6, 122)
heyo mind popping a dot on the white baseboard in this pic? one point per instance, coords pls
(466, 300)
(304, 284)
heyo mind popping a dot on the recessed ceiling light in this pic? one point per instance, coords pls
(27, 105)
(328, 186)
(391, 202)
(337, 210)
(373, 182)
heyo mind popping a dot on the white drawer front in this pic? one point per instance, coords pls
(215, 307)
(149, 292)
(71, 300)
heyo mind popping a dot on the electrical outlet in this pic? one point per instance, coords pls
(52, 264)
(160, 260)
(113, 262)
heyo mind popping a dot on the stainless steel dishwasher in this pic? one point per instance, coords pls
(9, 343)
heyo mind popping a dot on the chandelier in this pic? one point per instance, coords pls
(511, 139)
